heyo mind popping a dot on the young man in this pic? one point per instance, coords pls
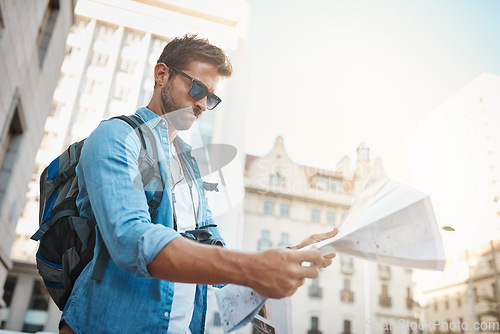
(155, 280)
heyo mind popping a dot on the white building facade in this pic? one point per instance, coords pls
(286, 202)
(111, 51)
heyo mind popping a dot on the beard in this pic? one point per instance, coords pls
(180, 118)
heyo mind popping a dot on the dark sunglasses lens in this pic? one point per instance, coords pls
(197, 91)
(212, 101)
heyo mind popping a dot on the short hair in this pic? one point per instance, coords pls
(181, 51)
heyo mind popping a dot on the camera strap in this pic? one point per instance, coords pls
(189, 180)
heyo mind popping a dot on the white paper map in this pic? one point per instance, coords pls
(237, 306)
(389, 223)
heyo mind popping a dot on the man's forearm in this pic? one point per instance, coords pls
(274, 273)
(183, 260)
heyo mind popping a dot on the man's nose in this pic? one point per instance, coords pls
(201, 105)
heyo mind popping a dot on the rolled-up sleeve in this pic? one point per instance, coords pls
(108, 167)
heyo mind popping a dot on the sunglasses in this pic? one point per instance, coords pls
(199, 90)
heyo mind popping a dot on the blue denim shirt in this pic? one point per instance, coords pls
(128, 299)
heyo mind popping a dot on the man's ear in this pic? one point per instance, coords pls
(161, 74)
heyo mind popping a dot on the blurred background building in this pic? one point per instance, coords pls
(109, 56)
(466, 292)
(455, 157)
(284, 203)
(32, 41)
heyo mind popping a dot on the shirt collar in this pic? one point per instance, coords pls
(149, 117)
(153, 120)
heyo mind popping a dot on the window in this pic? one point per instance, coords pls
(346, 295)
(435, 304)
(285, 240)
(9, 286)
(314, 326)
(330, 218)
(347, 327)
(276, 179)
(103, 33)
(409, 298)
(346, 264)
(315, 290)
(446, 303)
(36, 315)
(315, 214)
(56, 109)
(10, 143)
(89, 86)
(384, 299)
(99, 59)
(264, 242)
(284, 210)
(494, 289)
(127, 65)
(46, 28)
(459, 300)
(327, 183)
(268, 208)
(384, 271)
(122, 92)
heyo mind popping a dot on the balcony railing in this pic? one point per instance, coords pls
(385, 300)
(409, 303)
(314, 331)
(346, 296)
(315, 291)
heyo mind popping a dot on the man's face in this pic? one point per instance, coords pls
(178, 107)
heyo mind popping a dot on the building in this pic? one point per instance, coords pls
(465, 293)
(284, 203)
(32, 40)
(455, 157)
(109, 56)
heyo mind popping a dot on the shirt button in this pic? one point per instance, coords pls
(163, 123)
(164, 139)
(165, 314)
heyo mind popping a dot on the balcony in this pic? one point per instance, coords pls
(314, 331)
(346, 296)
(347, 269)
(385, 300)
(315, 291)
(384, 272)
(409, 303)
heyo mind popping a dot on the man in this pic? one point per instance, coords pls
(148, 285)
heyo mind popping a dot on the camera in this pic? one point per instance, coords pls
(202, 235)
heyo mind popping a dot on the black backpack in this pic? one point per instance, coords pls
(67, 240)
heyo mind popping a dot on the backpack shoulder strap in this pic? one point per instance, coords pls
(135, 122)
(145, 159)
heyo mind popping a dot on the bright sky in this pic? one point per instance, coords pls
(329, 74)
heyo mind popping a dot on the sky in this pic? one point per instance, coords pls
(328, 75)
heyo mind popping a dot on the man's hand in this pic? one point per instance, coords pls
(327, 260)
(277, 273)
(273, 273)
